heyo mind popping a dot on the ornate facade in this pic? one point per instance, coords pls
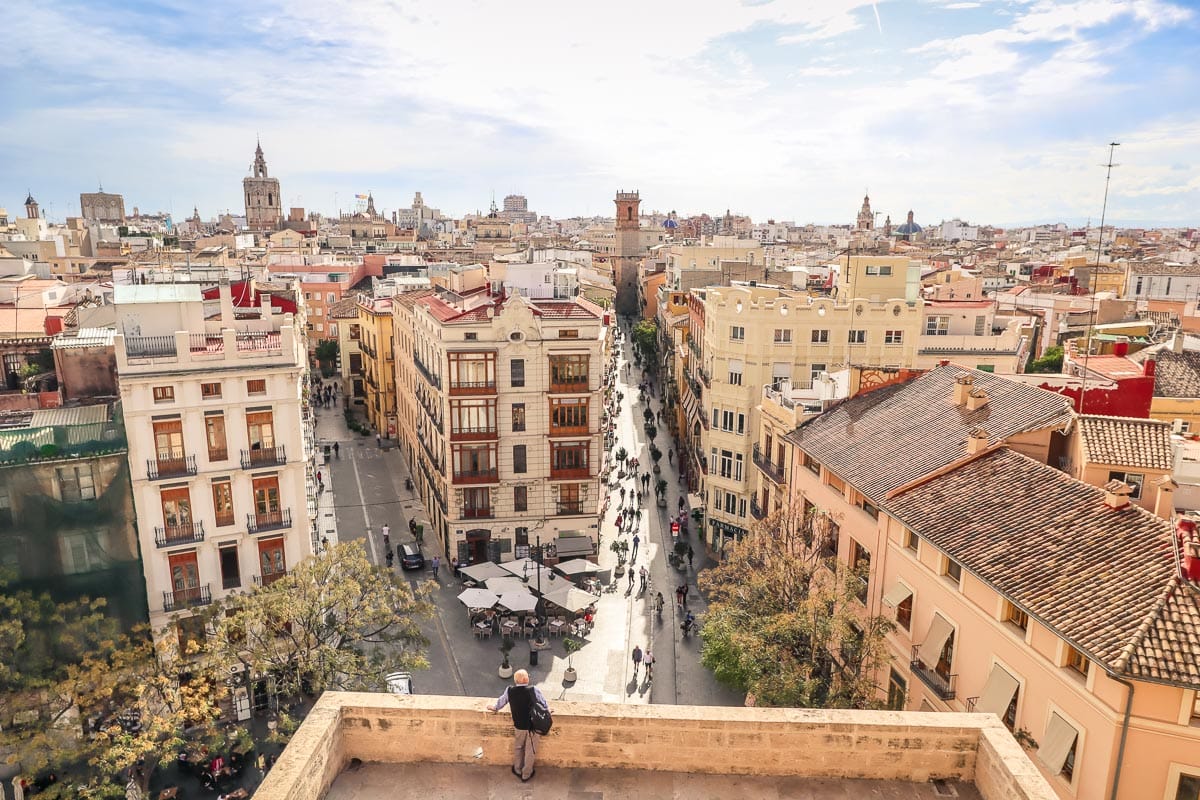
(264, 209)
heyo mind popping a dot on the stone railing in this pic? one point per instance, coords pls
(806, 743)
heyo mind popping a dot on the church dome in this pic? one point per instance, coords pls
(908, 228)
(670, 223)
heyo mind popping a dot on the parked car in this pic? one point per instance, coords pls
(399, 683)
(410, 557)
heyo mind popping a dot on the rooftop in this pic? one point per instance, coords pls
(124, 294)
(1175, 374)
(1127, 442)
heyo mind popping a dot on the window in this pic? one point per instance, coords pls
(516, 372)
(1073, 659)
(893, 337)
(858, 337)
(519, 461)
(164, 394)
(331, 297)
(568, 415)
(980, 326)
(812, 465)
(569, 373)
(1057, 749)
(953, 570)
(860, 562)
(739, 462)
(879, 269)
(815, 371)
(76, 484)
(737, 333)
(741, 507)
(820, 336)
(783, 336)
(177, 512)
(726, 420)
(477, 503)
(570, 498)
(904, 612)
(521, 503)
(1015, 616)
(522, 537)
(231, 572)
(355, 331)
(741, 424)
(1188, 788)
(266, 497)
(214, 434)
(222, 492)
(897, 691)
(518, 417)
(730, 503)
(256, 386)
(210, 391)
(911, 540)
(271, 559)
(470, 336)
(1195, 715)
(870, 508)
(569, 333)
(937, 326)
(1133, 479)
(260, 430)
(735, 378)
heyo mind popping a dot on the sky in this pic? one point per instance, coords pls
(992, 111)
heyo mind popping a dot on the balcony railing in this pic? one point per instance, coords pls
(149, 346)
(569, 508)
(568, 430)
(472, 387)
(477, 476)
(472, 434)
(569, 473)
(269, 521)
(171, 535)
(756, 510)
(186, 598)
(477, 513)
(267, 578)
(218, 454)
(569, 387)
(366, 348)
(770, 468)
(704, 377)
(170, 465)
(942, 685)
(264, 457)
(432, 379)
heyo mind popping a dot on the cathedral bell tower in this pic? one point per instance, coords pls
(628, 251)
(264, 208)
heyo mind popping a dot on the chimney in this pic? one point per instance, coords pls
(1121, 349)
(1149, 366)
(976, 399)
(1116, 494)
(945, 362)
(1164, 504)
(1177, 342)
(962, 387)
(977, 440)
(1185, 530)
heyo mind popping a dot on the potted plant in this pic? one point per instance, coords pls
(621, 548)
(506, 646)
(681, 548)
(572, 646)
(656, 455)
(648, 415)
(660, 489)
(651, 432)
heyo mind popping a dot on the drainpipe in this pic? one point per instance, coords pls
(1124, 733)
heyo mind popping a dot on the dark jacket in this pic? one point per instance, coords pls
(520, 700)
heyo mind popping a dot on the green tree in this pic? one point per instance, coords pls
(645, 340)
(327, 353)
(788, 629)
(1052, 361)
(335, 622)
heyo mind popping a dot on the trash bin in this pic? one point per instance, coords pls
(533, 656)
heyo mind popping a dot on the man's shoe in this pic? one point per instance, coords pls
(532, 772)
(514, 772)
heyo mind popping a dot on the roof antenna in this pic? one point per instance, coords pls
(1087, 344)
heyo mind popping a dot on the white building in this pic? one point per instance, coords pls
(219, 443)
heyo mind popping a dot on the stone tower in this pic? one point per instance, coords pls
(628, 250)
(866, 219)
(31, 206)
(264, 208)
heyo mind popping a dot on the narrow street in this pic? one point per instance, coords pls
(368, 491)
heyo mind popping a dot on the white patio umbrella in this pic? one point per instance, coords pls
(507, 584)
(478, 598)
(528, 568)
(481, 572)
(518, 601)
(570, 598)
(576, 566)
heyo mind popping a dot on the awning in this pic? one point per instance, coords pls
(1060, 737)
(572, 546)
(997, 692)
(930, 650)
(897, 595)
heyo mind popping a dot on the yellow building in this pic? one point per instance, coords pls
(379, 375)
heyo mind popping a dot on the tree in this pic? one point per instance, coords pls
(1052, 361)
(788, 629)
(335, 622)
(327, 353)
(645, 340)
(82, 702)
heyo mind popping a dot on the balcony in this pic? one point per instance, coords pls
(264, 457)
(484, 512)
(704, 377)
(472, 387)
(366, 348)
(477, 476)
(942, 685)
(269, 521)
(186, 598)
(579, 386)
(267, 578)
(172, 535)
(149, 346)
(170, 465)
(570, 473)
(473, 434)
(569, 430)
(770, 468)
(756, 511)
(569, 508)
(221, 454)
(430, 378)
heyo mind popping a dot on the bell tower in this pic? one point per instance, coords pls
(628, 251)
(31, 206)
(264, 207)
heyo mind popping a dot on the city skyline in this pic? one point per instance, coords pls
(994, 112)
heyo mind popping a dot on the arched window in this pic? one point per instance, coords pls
(628, 212)
(270, 202)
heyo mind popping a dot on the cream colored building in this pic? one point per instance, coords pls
(505, 397)
(964, 331)
(219, 443)
(1016, 590)
(754, 336)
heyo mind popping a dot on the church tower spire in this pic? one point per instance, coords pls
(866, 219)
(264, 207)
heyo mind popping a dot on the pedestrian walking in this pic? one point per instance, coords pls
(648, 660)
(520, 698)
(336, 449)
(642, 575)
(632, 575)
(636, 541)
(637, 660)
(690, 554)
(685, 594)
(437, 563)
(679, 596)
(379, 441)
(387, 531)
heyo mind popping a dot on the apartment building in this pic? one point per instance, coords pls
(376, 343)
(219, 443)
(1067, 611)
(505, 397)
(743, 337)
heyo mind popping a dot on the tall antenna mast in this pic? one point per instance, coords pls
(1087, 344)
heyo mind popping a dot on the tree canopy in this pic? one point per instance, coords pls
(645, 340)
(1052, 361)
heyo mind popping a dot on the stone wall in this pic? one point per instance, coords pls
(901, 746)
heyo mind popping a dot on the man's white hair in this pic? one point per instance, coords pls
(521, 676)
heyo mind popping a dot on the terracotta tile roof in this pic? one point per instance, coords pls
(1105, 580)
(346, 308)
(1126, 441)
(890, 436)
(567, 309)
(1177, 374)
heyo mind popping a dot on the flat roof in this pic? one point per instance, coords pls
(124, 294)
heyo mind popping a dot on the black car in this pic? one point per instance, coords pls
(410, 556)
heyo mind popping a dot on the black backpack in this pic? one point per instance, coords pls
(540, 720)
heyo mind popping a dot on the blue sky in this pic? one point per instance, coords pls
(991, 111)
